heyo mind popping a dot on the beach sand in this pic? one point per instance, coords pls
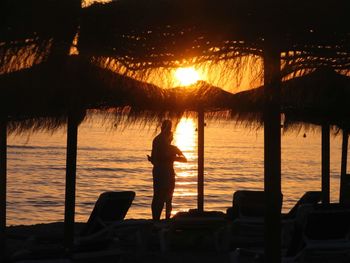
(137, 241)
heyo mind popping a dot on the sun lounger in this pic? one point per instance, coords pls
(248, 211)
(323, 235)
(247, 218)
(111, 207)
(247, 215)
(193, 229)
(107, 215)
(246, 203)
(289, 220)
(310, 197)
(106, 233)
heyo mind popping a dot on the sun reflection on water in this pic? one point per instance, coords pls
(185, 135)
(185, 139)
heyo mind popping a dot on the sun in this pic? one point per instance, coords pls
(186, 76)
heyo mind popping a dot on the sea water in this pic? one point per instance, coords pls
(114, 159)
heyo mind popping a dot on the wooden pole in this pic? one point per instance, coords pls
(344, 160)
(3, 182)
(60, 52)
(325, 164)
(71, 161)
(272, 154)
(200, 202)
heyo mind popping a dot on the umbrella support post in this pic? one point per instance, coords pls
(343, 176)
(3, 182)
(272, 153)
(200, 202)
(71, 161)
(325, 164)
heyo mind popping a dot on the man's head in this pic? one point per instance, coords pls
(166, 126)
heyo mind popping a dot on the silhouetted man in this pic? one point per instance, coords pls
(163, 156)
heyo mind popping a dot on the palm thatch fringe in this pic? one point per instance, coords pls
(43, 96)
(321, 97)
(165, 33)
(34, 31)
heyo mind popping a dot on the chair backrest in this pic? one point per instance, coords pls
(250, 203)
(319, 223)
(109, 207)
(308, 198)
(327, 222)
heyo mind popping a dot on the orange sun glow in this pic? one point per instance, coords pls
(186, 76)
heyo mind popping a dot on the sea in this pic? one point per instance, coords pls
(113, 158)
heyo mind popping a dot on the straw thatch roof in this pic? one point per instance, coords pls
(53, 90)
(39, 79)
(166, 33)
(163, 33)
(44, 95)
(33, 31)
(321, 97)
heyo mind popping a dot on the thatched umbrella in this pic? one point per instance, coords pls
(51, 94)
(51, 91)
(81, 86)
(164, 33)
(320, 98)
(31, 32)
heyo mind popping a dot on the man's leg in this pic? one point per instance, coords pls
(168, 208)
(169, 199)
(157, 205)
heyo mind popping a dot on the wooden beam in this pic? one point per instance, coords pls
(71, 162)
(272, 154)
(343, 169)
(200, 185)
(325, 164)
(59, 53)
(3, 186)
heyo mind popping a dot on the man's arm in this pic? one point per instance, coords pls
(180, 157)
(149, 158)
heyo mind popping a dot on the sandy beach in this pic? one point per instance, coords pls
(139, 243)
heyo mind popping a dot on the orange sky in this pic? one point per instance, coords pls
(226, 74)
